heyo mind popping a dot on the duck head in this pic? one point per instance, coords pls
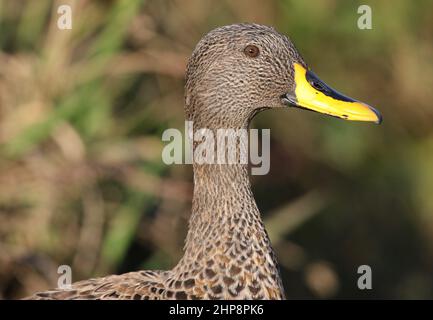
(237, 70)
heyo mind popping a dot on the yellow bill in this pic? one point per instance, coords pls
(313, 94)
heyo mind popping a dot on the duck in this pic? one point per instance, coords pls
(235, 72)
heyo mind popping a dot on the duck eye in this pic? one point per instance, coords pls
(251, 51)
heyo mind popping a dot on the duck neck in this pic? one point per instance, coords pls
(225, 217)
(224, 209)
(224, 212)
(226, 233)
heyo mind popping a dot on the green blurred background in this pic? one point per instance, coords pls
(81, 117)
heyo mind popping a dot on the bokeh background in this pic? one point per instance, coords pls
(82, 112)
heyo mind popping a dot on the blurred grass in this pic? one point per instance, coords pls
(81, 116)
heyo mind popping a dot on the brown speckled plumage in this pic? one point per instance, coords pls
(228, 254)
